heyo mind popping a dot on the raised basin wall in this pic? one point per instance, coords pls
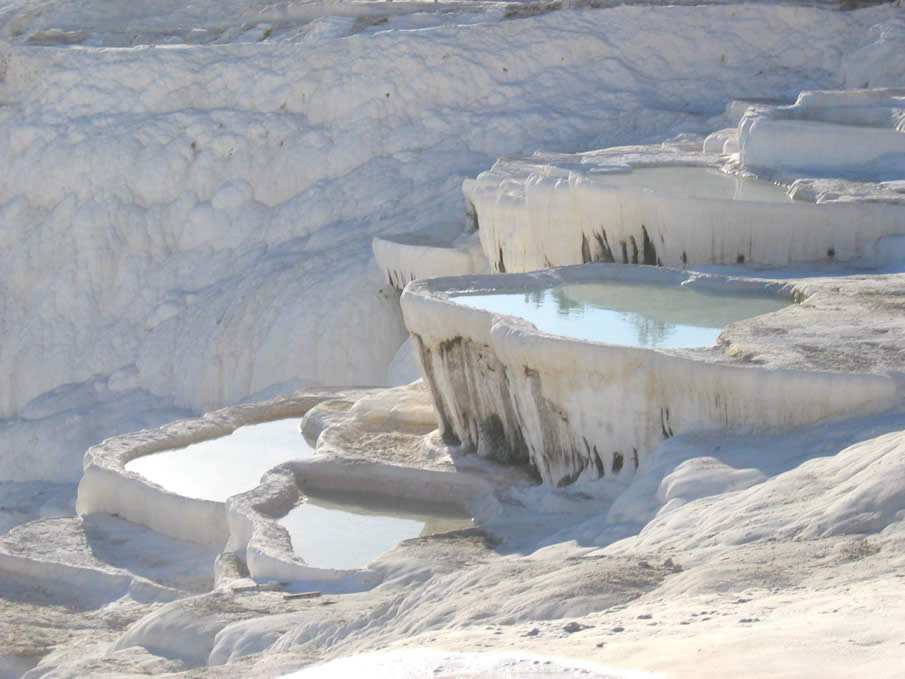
(582, 410)
(554, 221)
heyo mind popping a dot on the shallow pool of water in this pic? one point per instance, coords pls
(346, 532)
(219, 468)
(698, 182)
(653, 315)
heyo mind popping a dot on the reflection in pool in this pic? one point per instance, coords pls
(644, 314)
(219, 468)
(347, 532)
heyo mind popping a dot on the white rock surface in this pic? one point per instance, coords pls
(857, 134)
(118, 270)
(409, 664)
(229, 192)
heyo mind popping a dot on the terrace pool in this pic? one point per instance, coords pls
(219, 468)
(642, 314)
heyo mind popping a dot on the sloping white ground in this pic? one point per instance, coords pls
(757, 556)
(227, 193)
(421, 663)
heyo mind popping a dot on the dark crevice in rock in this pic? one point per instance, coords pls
(665, 427)
(471, 218)
(598, 463)
(493, 440)
(602, 251)
(446, 346)
(605, 252)
(585, 250)
(446, 428)
(568, 479)
(649, 249)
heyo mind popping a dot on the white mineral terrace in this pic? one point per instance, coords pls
(256, 488)
(532, 216)
(579, 409)
(671, 205)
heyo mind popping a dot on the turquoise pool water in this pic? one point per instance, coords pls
(653, 315)
(219, 468)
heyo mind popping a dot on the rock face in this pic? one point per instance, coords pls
(582, 410)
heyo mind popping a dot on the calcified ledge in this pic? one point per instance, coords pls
(580, 410)
(411, 256)
(108, 487)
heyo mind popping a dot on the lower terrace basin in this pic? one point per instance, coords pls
(176, 479)
(351, 530)
(321, 522)
(540, 212)
(242, 478)
(578, 408)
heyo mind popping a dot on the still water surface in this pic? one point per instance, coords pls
(220, 468)
(350, 531)
(653, 315)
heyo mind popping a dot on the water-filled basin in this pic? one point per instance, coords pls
(219, 468)
(347, 532)
(644, 314)
(697, 182)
